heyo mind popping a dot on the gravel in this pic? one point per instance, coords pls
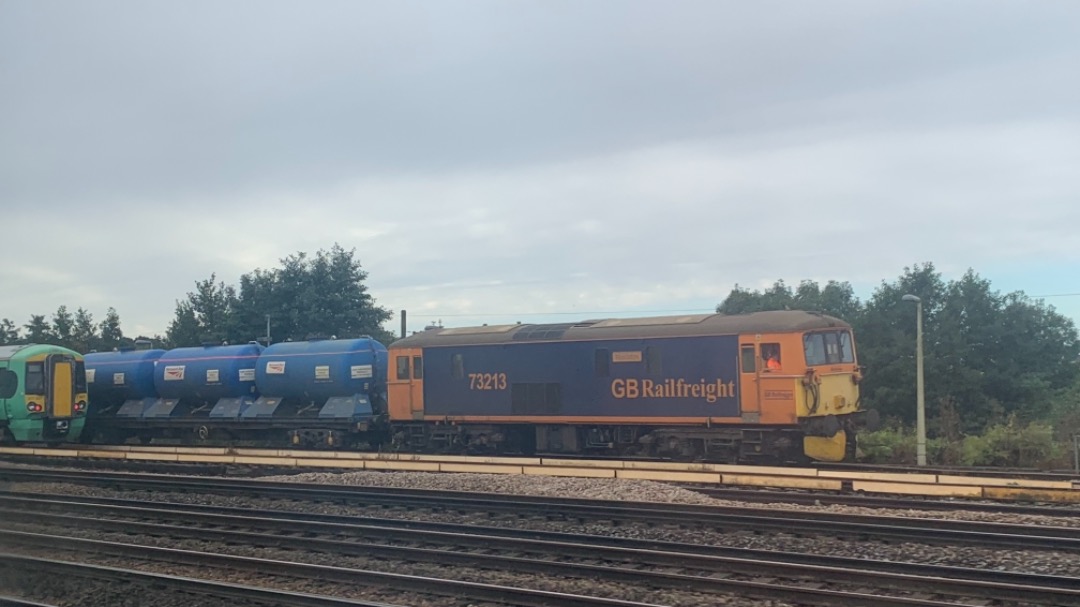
(616, 489)
(798, 540)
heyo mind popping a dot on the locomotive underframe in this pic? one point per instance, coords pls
(735, 444)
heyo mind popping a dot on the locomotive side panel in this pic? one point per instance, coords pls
(663, 380)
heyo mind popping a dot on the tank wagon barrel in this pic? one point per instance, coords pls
(329, 380)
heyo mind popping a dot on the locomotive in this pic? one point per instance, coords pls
(765, 387)
(43, 395)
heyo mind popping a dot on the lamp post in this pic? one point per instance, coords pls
(920, 423)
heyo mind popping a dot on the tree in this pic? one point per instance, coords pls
(38, 330)
(110, 334)
(84, 333)
(63, 327)
(307, 296)
(206, 315)
(9, 333)
(836, 299)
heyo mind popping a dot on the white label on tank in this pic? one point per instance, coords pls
(90, 375)
(360, 371)
(247, 374)
(213, 376)
(275, 367)
(322, 372)
(118, 379)
(174, 373)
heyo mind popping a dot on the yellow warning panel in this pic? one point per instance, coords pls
(917, 489)
(1037, 495)
(669, 476)
(561, 471)
(789, 482)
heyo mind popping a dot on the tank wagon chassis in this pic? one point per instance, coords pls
(759, 388)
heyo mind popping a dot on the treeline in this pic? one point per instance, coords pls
(320, 296)
(323, 295)
(988, 356)
(77, 331)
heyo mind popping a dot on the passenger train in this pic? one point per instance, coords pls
(43, 396)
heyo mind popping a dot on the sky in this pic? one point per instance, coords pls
(534, 161)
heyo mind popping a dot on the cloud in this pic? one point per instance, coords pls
(555, 158)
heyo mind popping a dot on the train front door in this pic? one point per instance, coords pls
(60, 379)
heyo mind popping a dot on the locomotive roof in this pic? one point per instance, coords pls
(7, 352)
(17, 351)
(626, 328)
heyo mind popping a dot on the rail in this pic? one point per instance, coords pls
(935, 531)
(274, 529)
(929, 483)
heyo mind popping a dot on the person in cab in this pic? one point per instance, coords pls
(772, 358)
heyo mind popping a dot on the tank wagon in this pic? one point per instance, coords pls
(762, 387)
(319, 392)
(119, 381)
(43, 395)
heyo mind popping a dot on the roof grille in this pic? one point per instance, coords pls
(541, 332)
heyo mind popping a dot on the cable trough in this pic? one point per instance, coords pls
(686, 567)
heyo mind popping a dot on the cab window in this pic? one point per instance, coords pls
(770, 356)
(749, 359)
(403, 367)
(828, 348)
(80, 377)
(35, 379)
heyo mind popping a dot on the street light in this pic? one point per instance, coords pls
(920, 423)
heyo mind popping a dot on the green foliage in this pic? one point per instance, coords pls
(205, 316)
(110, 336)
(76, 331)
(38, 330)
(836, 299)
(319, 296)
(9, 333)
(84, 334)
(888, 445)
(1011, 444)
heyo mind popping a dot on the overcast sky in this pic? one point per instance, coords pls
(492, 161)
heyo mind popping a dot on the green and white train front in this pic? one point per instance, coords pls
(43, 394)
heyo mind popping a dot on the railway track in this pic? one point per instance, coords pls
(685, 567)
(745, 494)
(1009, 486)
(767, 496)
(10, 601)
(726, 518)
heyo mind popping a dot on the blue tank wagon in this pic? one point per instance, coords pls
(764, 387)
(43, 395)
(331, 391)
(118, 382)
(172, 394)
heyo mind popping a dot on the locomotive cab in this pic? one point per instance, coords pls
(42, 393)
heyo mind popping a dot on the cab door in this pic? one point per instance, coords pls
(406, 384)
(749, 379)
(60, 382)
